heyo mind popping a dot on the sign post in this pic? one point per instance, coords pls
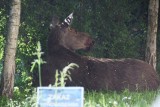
(60, 96)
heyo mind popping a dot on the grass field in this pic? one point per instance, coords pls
(124, 99)
(94, 99)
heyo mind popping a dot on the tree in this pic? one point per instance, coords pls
(10, 50)
(150, 55)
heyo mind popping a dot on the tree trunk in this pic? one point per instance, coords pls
(10, 50)
(150, 55)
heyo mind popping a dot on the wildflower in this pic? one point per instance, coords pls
(115, 103)
(126, 98)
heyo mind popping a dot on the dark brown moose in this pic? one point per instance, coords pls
(93, 73)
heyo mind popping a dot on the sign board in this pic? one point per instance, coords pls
(60, 96)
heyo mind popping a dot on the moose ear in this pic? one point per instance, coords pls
(67, 21)
(55, 21)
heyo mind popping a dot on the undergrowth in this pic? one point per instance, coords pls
(94, 99)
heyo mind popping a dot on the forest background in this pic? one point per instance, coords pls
(119, 28)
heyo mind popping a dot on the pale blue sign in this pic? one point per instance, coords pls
(60, 96)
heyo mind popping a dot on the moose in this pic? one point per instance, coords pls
(93, 73)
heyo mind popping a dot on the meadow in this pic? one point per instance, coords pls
(92, 99)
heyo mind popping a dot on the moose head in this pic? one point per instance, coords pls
(63, 35)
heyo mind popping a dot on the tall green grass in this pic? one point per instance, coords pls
(62, 76)
(39, 61)
(123, 99)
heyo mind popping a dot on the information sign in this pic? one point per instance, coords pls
(60, 96)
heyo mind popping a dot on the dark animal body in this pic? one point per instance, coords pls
(94, 73)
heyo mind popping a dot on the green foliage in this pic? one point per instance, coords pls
(119, 27)
(38, 61)
(21, 100)
(30, 100)
(115, 27)
(2, 39)
(3, 20)
(1, 47)
(23, 79)
(2, 26)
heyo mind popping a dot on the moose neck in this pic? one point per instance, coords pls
(62, 51)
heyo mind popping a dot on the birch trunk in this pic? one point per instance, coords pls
(10, 50)
(150, 55)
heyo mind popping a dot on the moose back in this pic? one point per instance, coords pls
(93, 73)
